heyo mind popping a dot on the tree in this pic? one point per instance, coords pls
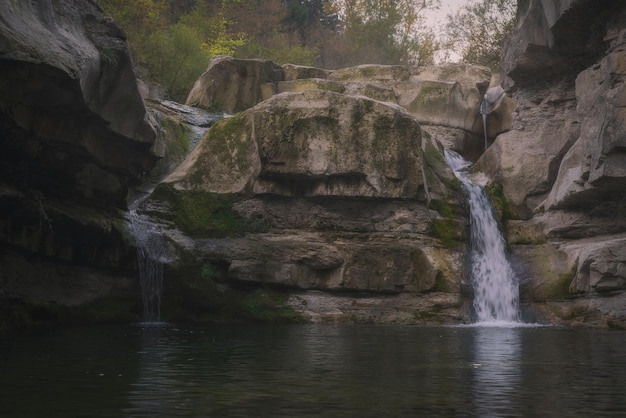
(306, 17)
(172, 41)
(164, 52)
(478, 31)
(385, 32)
(174, 57)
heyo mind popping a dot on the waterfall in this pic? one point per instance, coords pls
(491, 100)
(496, 294)
(147, 236)
(151, 255)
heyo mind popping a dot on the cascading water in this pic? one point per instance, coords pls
(151, 255)
(496, 294)
(148, 238)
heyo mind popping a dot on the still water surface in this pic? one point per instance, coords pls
(312, 371)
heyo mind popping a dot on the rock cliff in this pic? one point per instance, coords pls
(562, 166)
(327, 184)
(75, 135)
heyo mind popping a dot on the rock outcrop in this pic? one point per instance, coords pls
(317, 190)
(75, 135)
(562, 167)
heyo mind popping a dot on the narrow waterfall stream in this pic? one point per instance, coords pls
(151, 255)
(152, 251)
(496, 294)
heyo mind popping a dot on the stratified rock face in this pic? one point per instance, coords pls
(562, 167)
(332, 191)
(74, 133)
(444, 96)
(594, 169)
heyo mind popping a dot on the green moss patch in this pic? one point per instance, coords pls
(446, 231)
(499, 201)
(440, 283)
(199, 213)
(558, 289)
(444, 208)
(436, 166)
(431, 92)
(225, 149)
(267, 306)
(178, 135)
(198, 291)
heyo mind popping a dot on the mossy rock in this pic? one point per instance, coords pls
(190, 294)
(198, 213)
(440, 283)
(446, 230)
(199, 291)
(267, 306)
(499, 201)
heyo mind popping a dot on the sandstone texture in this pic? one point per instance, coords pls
(561, 167)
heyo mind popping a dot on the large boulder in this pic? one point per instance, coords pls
(68, 85)
(525, 160)
(552, 38)
(232, 85)
(595, 167)
(311, 143)
(319, 190)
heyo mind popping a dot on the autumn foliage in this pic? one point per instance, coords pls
(173, 40)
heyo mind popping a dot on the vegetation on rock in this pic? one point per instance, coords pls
(479, 29)
(172, 42)
(200, 213)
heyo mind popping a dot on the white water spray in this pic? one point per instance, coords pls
(496, 294)
(151, 255)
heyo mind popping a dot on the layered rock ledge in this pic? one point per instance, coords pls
(318, 190)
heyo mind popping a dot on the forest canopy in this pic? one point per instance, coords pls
(172, 41)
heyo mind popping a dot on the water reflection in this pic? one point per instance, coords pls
(148, 395)
(497, 370)
(313, 371)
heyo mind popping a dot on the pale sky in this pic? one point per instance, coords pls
(437, 18)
